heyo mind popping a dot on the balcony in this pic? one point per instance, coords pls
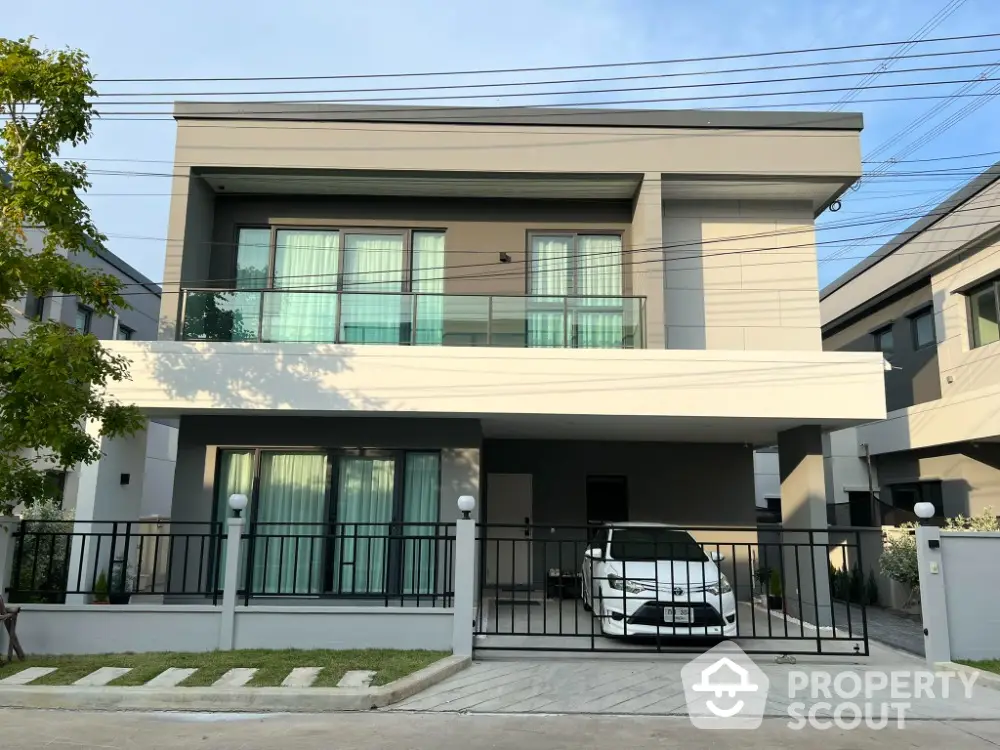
(325, 316)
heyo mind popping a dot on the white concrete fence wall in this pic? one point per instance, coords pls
(93, 629)
(959, 594)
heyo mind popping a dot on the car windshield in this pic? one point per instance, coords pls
(655, 544)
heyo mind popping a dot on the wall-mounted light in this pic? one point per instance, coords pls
(504, 258)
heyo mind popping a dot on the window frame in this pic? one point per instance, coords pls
(407, 232)
(393, 583)
(877, 335)
(129, 333)
(994, 286)
(573, 290)
(89, 313)
(925, 312)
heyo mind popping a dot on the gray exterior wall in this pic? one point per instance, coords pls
(969, 474)
(143, 298)
(915, 378)
(689, 484)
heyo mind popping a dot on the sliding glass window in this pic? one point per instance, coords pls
(587, 268)
(346, 522)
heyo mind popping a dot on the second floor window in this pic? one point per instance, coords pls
(984, 319)
(883, 340)
(83, 316)
(125, 333)
(923, 328)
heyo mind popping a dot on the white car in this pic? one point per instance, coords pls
(648, 579)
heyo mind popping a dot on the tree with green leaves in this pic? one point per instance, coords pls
(53, 379)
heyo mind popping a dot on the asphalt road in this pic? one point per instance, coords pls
(410, 731)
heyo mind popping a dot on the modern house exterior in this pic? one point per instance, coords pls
(928, 301)
(139, 322)
(574, 316)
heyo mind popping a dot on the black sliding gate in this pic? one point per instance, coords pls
(659, 589)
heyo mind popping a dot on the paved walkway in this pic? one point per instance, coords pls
(887, 627)
(651, 685)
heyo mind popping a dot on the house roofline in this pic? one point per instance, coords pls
(523, 116)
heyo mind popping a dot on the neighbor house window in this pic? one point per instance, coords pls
(883, 340)
(922, 325)
(83, 317)
(984, 320)
(125, 333)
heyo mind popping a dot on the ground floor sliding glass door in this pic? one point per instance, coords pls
(343, 522)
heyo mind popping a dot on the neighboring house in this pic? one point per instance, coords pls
(138, 323)
(573, 315)
(928, 300)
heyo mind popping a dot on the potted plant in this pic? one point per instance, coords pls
(775, 595)
(101, 589)
(122, 582)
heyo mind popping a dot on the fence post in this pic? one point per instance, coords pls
(8, 527)
(933, 599)
(227, 626)
(465, 579)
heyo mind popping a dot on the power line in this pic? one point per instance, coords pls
(591, 66)
(102, 101)
(563, 81)
(888, 62)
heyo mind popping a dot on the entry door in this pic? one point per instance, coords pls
(508, 549)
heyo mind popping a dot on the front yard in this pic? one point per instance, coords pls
(989, 665)
(272, 666)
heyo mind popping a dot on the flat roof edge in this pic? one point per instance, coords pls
(538, 116)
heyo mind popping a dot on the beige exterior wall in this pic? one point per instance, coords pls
(969, 368)
(741, 275)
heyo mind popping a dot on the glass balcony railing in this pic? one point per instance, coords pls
(323, 316)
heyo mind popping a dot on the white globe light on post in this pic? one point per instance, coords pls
(924, 510)
(238, 502)
(466, 504)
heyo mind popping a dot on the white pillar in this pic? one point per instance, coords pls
(465, 587)
(933, 600)
(8, 527)
(231, 583)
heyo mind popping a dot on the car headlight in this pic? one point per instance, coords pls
(722, 587)
(622, 584)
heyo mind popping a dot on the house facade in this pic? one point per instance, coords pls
(138, 322)
(928, 301)
(574, 316)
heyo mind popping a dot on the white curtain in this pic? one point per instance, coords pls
(289, 543)
(549, 274)
(373, 263)
(235, 477)
(364, 513)
(599, 277)
(421, 500)
(306, 260)
(428, 279)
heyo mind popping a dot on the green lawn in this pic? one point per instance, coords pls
(273, 666)
(990, 665)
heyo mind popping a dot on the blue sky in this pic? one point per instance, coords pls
(317, 37)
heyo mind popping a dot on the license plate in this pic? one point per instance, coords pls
(677, 615)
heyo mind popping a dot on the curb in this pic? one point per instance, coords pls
(256, 700)
(986, 679)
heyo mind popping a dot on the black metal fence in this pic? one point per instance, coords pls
(114, 561)
(772, 590)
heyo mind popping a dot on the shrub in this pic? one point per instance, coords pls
(42, 555)
(899, 557)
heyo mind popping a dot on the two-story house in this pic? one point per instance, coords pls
(928, 300)
(574, 316)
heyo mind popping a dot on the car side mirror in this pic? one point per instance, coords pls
(716, 556)
(594, 553)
